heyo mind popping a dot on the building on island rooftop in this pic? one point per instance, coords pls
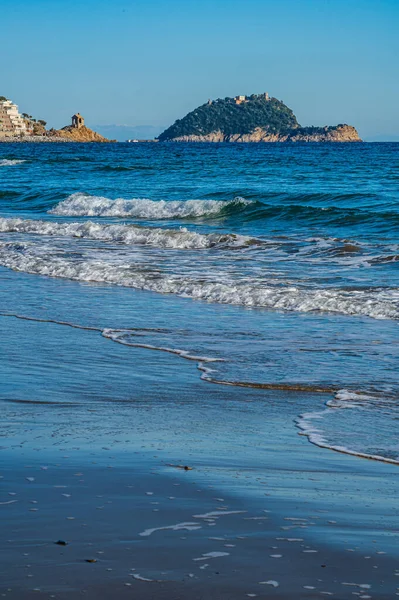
(243, 99)
(240, 99)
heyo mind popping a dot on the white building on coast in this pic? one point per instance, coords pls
(11, 122)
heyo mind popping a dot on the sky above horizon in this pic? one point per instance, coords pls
(145, 63)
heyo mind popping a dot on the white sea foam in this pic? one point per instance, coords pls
(215, 514)
(347, 399)
(140, 578)
(4, 162)
(84, 205)
(126, 234)
(126, 338)
(379, 304)
(212, 555)
(313, 427)
(176, 527)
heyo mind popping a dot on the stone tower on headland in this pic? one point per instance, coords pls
(78, 121)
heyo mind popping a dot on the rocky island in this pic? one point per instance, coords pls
(256, 118)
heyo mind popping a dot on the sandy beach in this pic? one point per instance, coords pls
(133, 525)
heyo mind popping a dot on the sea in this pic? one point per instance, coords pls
(258, 270)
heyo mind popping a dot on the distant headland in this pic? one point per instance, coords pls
(23, 127)
(255, 118)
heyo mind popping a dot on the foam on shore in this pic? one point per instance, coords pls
(312, 424)
(39, 260)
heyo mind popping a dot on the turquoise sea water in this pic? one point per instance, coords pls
(265, 266)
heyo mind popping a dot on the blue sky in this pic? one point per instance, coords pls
(148, 62)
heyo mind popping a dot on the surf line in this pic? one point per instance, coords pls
(202, 361)
(53, 321)
(76, 326)
(315, 438)
(206, 371)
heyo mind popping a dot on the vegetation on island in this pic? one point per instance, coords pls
(37, 126)
(230, 117)
(256, 118)
(312, 130)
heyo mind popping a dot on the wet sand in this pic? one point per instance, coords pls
(139, 528)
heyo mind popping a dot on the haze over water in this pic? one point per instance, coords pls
(269, 266)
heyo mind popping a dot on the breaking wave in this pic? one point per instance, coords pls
(4, 162)
(83, 205)
(265, 209)
(377, 303)
(127, 234)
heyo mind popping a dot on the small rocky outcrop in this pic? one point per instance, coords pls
(339, 133)
(81, 134)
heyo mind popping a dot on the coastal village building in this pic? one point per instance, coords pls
(78, 121)
(11, 122)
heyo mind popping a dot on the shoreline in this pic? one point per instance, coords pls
(41, 140)
(33, 140)
(51, 140)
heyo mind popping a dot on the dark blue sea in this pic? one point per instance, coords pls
(253, 268)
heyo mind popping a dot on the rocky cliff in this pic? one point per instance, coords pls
(256, 118)
(340, 133)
